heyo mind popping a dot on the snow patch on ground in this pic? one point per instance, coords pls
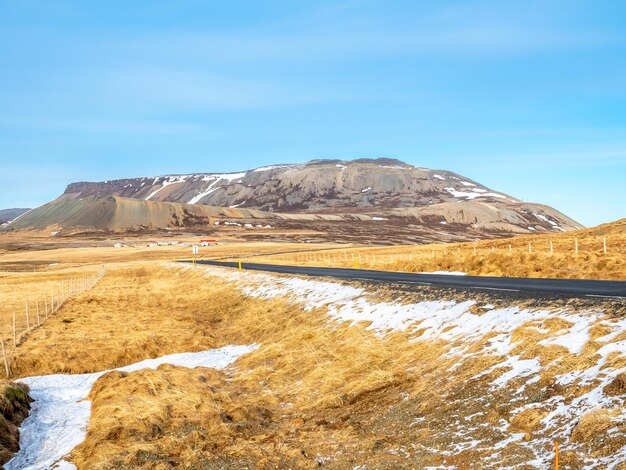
(60, 413)
(575, 337)
(463, 327)
(443, 319)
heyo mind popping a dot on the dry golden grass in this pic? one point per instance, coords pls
(80, 252)
(37, 289)
(309, 390)
(510, 257)
(592, 425)
(528, 420)
(137, 311)
(144, 311)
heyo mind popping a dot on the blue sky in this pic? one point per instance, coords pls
(527, 97)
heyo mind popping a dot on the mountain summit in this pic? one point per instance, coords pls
(412, 201)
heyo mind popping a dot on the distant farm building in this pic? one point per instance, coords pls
(208, 242)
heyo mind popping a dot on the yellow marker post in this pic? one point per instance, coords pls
(556, 455)
(240, 268)
(194, 252)
(356, 263)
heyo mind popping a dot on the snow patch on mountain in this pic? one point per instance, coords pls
(473, 194)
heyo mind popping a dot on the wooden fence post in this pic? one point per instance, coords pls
(551, 248)
(27, 317)
(14, 331)
(604, 245)
(6, 362)
(576, 245)
(38, 320)
(530, 250)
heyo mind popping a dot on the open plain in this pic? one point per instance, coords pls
(338, 374)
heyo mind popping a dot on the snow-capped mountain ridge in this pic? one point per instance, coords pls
(415, 204)
(320, 185)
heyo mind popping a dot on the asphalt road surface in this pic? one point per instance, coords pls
(560, 287)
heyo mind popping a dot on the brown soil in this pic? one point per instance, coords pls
(14, 406)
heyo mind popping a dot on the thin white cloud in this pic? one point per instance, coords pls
(86, 124)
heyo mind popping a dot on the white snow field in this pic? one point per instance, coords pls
(60, 413)
(462, 328)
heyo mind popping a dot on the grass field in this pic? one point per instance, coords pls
(577, 254)
(315, 390)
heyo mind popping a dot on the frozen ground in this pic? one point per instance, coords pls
(462, 326)
(60, 412)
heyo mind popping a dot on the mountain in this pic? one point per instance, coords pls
(367, 200)
(6, 215)
(113, 213)
(118, 214)
(317, 186)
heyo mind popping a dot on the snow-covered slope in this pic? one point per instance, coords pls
(565, 366)
(60, 412)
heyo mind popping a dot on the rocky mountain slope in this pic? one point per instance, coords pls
(6, 215)
(317, 186)
(116, 213)
(380, 200)
(328, 186)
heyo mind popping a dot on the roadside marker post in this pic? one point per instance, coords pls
(556, 455)
(194, 251)
(604, 245)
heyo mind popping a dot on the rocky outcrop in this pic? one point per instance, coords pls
(339, 187)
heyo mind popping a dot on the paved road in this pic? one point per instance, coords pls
(560, 287)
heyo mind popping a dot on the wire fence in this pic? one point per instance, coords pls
(391, 255)
(39, 309)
